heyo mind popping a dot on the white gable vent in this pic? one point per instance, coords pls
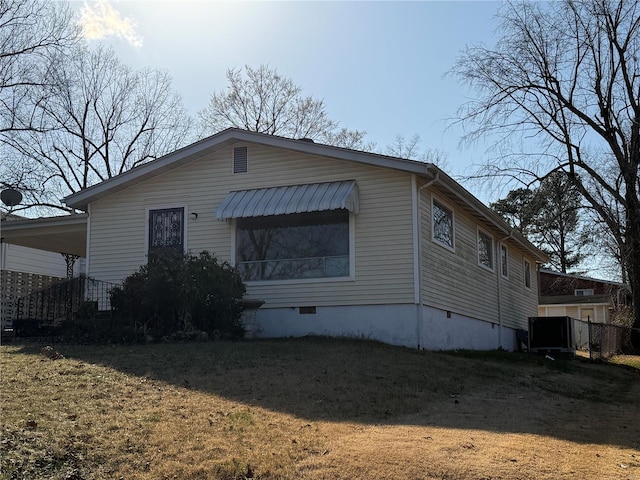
(240, 160)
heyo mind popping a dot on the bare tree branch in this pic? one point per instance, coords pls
(100, 118)
(566, 77)
(261, 100)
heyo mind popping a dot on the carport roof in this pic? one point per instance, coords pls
(64, 234)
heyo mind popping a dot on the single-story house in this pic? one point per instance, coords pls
(584, 298)
(333, 241)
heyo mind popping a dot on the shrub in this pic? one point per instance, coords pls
(181, 293)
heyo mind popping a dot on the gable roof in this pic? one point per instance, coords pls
(575, 276)
(222, 140)
(230, 136)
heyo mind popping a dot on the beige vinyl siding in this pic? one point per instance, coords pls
(383, 226)
(454, 281)
(573, 312)
(600, 312)
(518, 302)
(561, 311)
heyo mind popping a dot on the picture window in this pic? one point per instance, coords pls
(295, 246)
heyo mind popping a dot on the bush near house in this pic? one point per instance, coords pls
(177, 296)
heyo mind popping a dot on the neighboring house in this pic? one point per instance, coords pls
(584, 298)
(581, 298)
(334, 241)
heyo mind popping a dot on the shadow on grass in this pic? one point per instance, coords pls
(373, 383)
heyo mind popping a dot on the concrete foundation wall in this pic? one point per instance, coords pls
(393, 324)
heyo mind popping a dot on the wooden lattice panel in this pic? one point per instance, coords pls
(19, 284)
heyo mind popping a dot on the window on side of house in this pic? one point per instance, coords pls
(442, 224)
(296, 246)
(527, 274)
(504, 260)
(584, 292)
(166, 229)
(485, 250)
(240, 160)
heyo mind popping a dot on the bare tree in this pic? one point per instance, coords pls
(261, 100)
(100, 118)
(33, 34)
(410, 148)
(604, 248)
(566, 77)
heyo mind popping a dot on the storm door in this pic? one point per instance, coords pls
(166, 229)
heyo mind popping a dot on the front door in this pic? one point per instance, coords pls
(166, 229)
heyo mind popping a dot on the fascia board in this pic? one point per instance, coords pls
(576, 304)
(580, 277)
(46, 222)
(492, 217)
(317, 149)
(190, 153)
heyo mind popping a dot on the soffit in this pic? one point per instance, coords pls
(65, 234)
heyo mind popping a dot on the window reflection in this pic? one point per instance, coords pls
(297, 246)
(166, 228)
(442, 224)
(485, 250)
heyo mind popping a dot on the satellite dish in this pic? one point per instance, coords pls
(10, 197)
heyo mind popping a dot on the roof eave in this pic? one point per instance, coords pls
(62, 220)
(64, 234)
(481, 209)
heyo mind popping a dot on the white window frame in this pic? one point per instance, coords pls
(504, 262)
(526, 278)
(484, 233)
(448, 207)
(185, 229)
(352, 261)
(584, 292)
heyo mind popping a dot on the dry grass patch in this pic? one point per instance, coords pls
(313, 408)
(632, 361)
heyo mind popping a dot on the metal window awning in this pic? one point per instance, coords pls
(311, 197)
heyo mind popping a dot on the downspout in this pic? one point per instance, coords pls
(499, 285)
(417, 257)
(88, 239)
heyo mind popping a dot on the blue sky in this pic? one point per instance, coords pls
(378, 66)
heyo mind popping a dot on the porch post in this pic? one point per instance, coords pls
(70, 260)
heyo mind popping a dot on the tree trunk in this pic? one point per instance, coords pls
(633, 263)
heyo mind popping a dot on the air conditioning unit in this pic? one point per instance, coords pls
(551, 334)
